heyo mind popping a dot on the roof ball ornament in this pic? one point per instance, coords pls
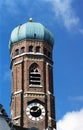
(30, 20)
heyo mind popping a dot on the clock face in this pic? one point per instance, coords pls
(35, 111)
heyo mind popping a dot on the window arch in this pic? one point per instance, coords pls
(38, 49)
(30, 48)
(16, 52)
(34, 75)
(22, 49)
(49, 54)
(45, 51)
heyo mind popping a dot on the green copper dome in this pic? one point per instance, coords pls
(31, 30)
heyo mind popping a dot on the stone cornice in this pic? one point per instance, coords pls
(34, 94)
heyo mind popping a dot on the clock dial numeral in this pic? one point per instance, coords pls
(37, 119)
(38, 104)
(43, 114)
(28, 109)
(41, 117)
(33, 118)
(28, 113)
(43, 111)
(30, 116)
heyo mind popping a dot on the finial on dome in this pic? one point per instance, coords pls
(30, 19)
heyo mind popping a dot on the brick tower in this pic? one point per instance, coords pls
(32, 100)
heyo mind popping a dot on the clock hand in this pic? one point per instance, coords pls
(37, 109)
(31, 110)
(34, 110)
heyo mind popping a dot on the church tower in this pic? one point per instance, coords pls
(32, 100)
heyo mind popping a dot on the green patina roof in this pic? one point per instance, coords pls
(31, 30)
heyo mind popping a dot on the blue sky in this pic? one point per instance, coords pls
(64, 19)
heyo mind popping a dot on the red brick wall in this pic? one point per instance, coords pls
(20, 81)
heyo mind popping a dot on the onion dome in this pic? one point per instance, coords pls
(31, 31)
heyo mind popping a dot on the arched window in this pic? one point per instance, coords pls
(16, 52)
(49, 54)
(45, 51)
(22, 49)
(30, 48)
(38, 49)
(34, 76)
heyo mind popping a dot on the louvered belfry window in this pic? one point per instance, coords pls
(34, 76)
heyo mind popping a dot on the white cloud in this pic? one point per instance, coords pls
(76, 98)
(65, 13)
(7, 75)
(71, 121)
(80, 30)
